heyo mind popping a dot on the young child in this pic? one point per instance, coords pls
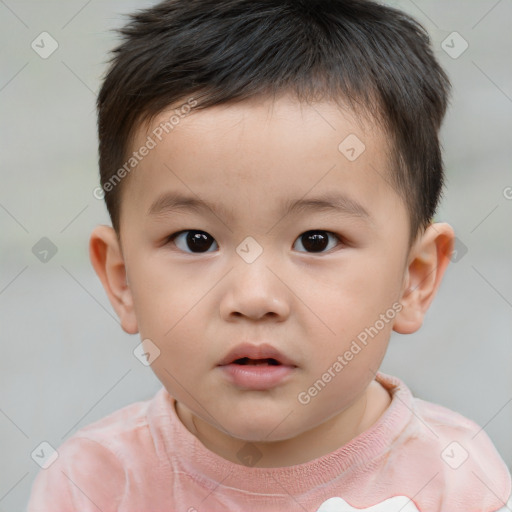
(271, 169)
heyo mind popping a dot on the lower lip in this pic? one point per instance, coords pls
(253, 376)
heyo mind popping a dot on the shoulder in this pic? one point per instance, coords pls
(91, 466)
(463, 455)
(450, 457)
(85, 475)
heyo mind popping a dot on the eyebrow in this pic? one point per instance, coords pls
(174, 202)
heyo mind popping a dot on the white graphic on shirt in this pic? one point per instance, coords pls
(398, 503)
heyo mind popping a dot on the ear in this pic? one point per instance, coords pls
(108, 262)
(427, 262)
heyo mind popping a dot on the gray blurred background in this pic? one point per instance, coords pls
(66, 361)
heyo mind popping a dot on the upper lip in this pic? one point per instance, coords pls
(263, 351)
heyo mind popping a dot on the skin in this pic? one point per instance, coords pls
(196, 306)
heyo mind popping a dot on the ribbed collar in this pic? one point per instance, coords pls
(186, 453)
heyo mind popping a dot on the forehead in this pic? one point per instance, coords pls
(262, 150)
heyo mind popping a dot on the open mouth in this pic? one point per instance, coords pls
(247, 361)
(256, 372)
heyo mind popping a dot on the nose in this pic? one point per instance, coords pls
(255, 291)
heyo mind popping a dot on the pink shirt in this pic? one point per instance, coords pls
(417, 457)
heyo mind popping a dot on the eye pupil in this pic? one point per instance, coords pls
(195, 241)
(199, 240)
(314, 241)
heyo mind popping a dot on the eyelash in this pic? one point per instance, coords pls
(340, 240)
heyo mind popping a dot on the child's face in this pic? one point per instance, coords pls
(248, 161)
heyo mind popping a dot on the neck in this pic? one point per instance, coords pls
(311, 444)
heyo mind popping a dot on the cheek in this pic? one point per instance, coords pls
(170, 313)
(347, 313)
(356, 292)
(159, 304)
(343, 374)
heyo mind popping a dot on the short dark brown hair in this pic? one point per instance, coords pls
(374, 58)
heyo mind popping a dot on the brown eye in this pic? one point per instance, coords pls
(317, 240)
(192, 240)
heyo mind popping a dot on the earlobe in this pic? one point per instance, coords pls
(108, 262)
(427, 263)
